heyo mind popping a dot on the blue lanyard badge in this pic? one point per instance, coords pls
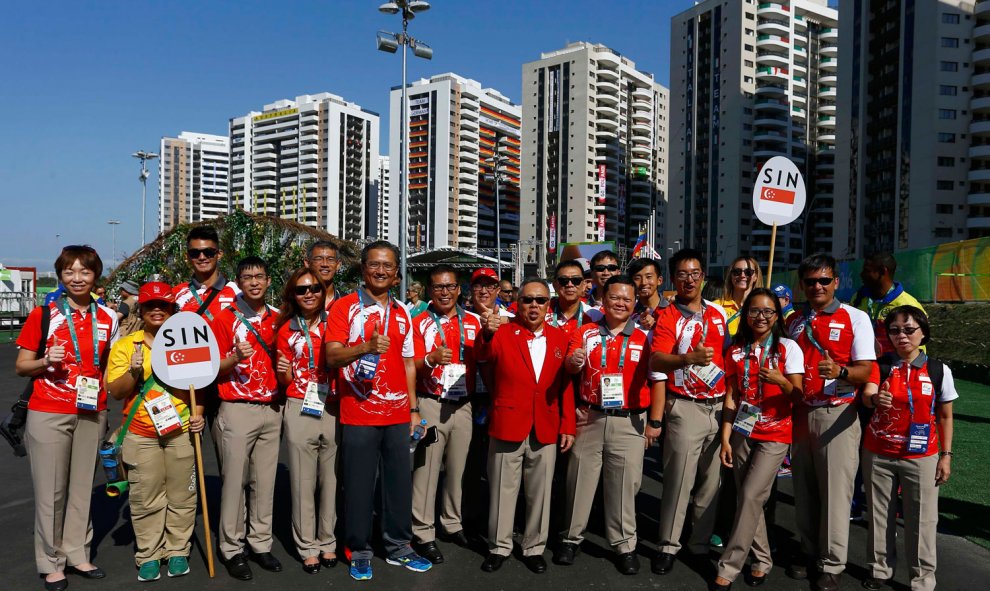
(764, 354)
(67, 311)
(367, 365)
(918, 433)
(309, 341)
(460, 327)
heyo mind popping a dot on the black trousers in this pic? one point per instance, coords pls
(366, 449)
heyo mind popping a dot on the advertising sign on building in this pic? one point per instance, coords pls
(601, 226)
(552, 234)
(601, 184)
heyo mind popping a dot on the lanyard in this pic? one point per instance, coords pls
(67, 311)
(554, 321)
(309, 341)
(764, 354)
(907, 386)
(388, 315)
(704, 325)
(603, 333)
(811, 337)
(460, 327)
(254, 331)
(199, 300)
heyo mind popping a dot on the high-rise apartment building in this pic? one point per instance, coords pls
(914, 124)
(381, 222)
(753, 80)
(313, 160)
(594, 149)
(192, 178)
(454, 126)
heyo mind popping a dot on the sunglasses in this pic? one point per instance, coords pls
(195, 253)
(302, 290)
(741, 272)
(908, 330)
(612, 268)
(565, 281)
(823, 281)
(541, 300)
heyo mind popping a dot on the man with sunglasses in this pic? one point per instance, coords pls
(837, 341)
(604, 264)
(322, 258)
(208, 291)
(532, 408)
(566, 311)
(443, 337)
(688, 342)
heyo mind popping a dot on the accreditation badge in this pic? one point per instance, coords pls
(918, 434)
(367, 367)
(613, 393)
(454, 381)
(87, 393)
(164, 416)
(709, 374)
(746, 418)
(315, 399)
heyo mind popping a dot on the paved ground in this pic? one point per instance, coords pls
(962, 565)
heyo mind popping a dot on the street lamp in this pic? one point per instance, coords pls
(497, 162)
(389, 43)
(144, 157)
(113, 231)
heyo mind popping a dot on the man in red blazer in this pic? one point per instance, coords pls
(532, 407)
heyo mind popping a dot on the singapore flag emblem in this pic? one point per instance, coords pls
(183, 363)
(776, 201)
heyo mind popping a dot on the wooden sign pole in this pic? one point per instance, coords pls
(202, 480)
(773, 243)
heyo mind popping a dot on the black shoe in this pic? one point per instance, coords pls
(238, 567)
(828, 582)
(535, 564)
(328, 562)
(57, 585)
(628, 563)
(458, 538)
(493, 562)
(754, 581)
(311, 569)
(267, 561)
(93, 573)
(430, 551)
(662, 564)
(716, 587)
(874, 584)
(798, 570)
(565, 553)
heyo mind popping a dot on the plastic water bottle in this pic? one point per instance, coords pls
(110, 458)
(417, 435)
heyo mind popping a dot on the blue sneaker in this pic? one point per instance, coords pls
(412, 561)
(361, 569)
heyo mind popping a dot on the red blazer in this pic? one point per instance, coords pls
(520, 404)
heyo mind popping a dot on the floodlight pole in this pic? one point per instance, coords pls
(404, 151)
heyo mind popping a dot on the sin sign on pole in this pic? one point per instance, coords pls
(185, 356)
(778, 198)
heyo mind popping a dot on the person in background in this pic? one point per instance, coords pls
(484, 292)
(907, 449)
(566, 310)
(323, 257)
(157, 449)
(604, 264)
(647, 274)
(67, 414)
(786, 298)
(414, 299)
(880, 294)
(311, 421)
(127, 310)
(764, 372)
(586, 271)
(741, 277)
(506, 295)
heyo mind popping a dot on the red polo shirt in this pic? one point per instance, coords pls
(186, 295)
(679, 331)
(636, 377)
(775, 406)
(426, 338)
(251, 380)
(292, 344)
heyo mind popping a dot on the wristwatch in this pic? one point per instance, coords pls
(843, 373)
(942, 454)
(413, 409)
(654, 424)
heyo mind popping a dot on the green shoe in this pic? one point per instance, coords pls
(150, 571)
(178, 566)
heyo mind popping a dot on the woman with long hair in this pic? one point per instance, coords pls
(908, 446)
(311, 422)
(157, 447)
(67, 414)
(741, 277)
(764, 374)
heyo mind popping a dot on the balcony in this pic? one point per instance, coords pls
(981, 79)
(769, 136)
(773, 9)
(643, 93)
(771, 89)
(828, 80)
(780, 42)
(831, 33)
(641, 162)
(767, 26)
(976, 223)
(981, 32)
(773, 74)
(641, 150)
(978, 199)
(981, 128)
(771, 122)
(826, 91)
(982, 8)
(981, 56)
(829, 64)
(773, 59)
(826, 121)
(606, 87)
(827, 108)
(829, 50)
(607, 124)
(979, 175)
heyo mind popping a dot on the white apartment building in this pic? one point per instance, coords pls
(594, 150)
(382, 213)
(914, 125)
(454, 126)
(192, 178)
(313, 160)
(753, 80)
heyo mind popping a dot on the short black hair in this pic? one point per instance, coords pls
(203, 233)
(883, 259)
(379, 245)
(251, 262)
(602, 255)
(910, 312)
(817, 262)
(639, 264)
(441, 269)
(320, 244)
(686, 254)
(568, 263)
(618, 280)
(529, 280)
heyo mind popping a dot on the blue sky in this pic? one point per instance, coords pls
(86, 84)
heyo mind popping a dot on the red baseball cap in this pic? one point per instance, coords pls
(484, 272)
(156, 291)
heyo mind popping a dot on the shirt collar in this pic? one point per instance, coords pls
(920, 360)
(294, 321)
(245, 309)
(687, 312)
(218, 284)
(373, 301)
(626, 331)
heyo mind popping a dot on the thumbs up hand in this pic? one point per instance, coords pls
(242, 349)
(828, 368)
(576, 360)
(137, 358)
(701, 356)
(489, 319)
(378, 343)
(56, 353)
(883, 398)
(442, 355)
(283, 366)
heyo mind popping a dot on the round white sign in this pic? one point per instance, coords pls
(185, 352)
(779, 194)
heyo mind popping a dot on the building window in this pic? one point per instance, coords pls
(946, 161)
(948, 90)
(946, 138)
(943, 232)
(950, 18)
(949, 66)
(943, 208)
(944, 185)
(950, 42)
(946, 113)
(748, 47)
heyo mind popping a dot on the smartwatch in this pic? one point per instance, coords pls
(654, 424)
(843, 373)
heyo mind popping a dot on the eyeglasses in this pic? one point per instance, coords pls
(908, 330)
(541, 300)
(378, 265)
(565, 281)
(328, 260)
(483, 287)
(195, 253)
(441, 287)
(767, 313)
(740, 272)
(612, 268)
(302, 290)
(823, 281)
(249, 278)
(685, 275)
(505, 291)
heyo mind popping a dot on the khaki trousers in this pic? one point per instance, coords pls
(510, 463)
(755, 465)
(454, 428)
(62, 450)
(882, 476)
(250, 435)
(613, 446)
(825, 457)
(162, 477)
(312, 444)
(691, 468)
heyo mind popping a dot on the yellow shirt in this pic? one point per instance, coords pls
(732, 313)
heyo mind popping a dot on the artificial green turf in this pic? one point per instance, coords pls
(964, 502)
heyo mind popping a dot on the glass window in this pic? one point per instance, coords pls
(950, 41)
(947, 138)
(950, 18)
(948, 90)
(950, 66)
(944, 185)
(946, 113)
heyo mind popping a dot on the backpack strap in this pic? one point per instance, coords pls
(46, 322)
(886, 363)
(936, 371)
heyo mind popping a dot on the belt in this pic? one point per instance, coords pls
(613, 412)
(705, 401)
(460, 402)
(255, 403)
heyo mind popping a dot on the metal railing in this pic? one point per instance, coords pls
(14, 309)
